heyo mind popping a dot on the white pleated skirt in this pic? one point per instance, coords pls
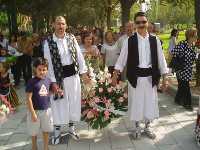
(69, 108)
(143, 100)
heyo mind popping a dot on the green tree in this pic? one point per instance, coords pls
(126, 9)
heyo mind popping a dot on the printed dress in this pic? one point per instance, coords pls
(8, 95)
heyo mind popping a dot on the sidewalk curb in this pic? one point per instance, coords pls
(173, 89)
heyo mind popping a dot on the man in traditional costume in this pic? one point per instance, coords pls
(143, 55)
(66, 62)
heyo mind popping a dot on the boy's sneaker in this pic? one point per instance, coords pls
(56, 136)
(73, 134)
(56, 140)
(149, 133)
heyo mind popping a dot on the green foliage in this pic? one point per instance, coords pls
(172, 12)
(3, 19)
(166, 36)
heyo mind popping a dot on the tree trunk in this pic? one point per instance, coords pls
(34, 24)
(126, 9)
(12, 16)
(48, 23)
(109, 14)
(9, 24)
(197, 17)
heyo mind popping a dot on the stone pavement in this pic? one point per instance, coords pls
(174, 131)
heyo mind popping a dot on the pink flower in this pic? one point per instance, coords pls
(92, 103)
(96, 112)
(109, 90)
(107, 102)
(90, 115)
(106, 114)
(96, 99)
(85, 112)
(121, 99)
(100, 90)
(125, 95)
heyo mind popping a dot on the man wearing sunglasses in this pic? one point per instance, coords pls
(143, 55)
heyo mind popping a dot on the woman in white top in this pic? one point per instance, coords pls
(110, 51)
(91, 52)
(172, 44)
(88, 48)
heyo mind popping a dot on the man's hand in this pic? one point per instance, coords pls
(85, 78)
(115, 77)
(164, 84)
(54, 88)
(60, 92)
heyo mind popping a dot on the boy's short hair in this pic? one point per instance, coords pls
(140, 14)
(40, 61)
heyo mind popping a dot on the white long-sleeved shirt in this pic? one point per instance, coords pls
(111, 53)
(172, 43)
(65, 55)
(144, 55)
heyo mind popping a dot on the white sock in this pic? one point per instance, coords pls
(57, 131)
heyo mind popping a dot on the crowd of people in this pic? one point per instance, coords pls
(58, 59)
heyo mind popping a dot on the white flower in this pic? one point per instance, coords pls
(106, 69)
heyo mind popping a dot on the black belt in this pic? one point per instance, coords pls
(143, 72)
(69, 70)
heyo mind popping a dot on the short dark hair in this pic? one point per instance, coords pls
(174, 32)
(40, 61)
(140, 14)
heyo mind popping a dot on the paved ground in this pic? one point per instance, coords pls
(174, 131)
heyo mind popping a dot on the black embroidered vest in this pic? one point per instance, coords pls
(133, 60)
(56, 59)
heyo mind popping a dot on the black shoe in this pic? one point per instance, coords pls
(188, 107)
(177, 102)
(56, 140)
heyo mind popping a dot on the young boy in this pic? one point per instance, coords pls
(38, 102)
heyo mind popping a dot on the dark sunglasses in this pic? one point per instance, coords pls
(140, 22)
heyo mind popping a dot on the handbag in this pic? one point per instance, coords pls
(177, 63)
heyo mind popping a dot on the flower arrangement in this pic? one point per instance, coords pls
(94, 60)
(4, 111)
(101, 101)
